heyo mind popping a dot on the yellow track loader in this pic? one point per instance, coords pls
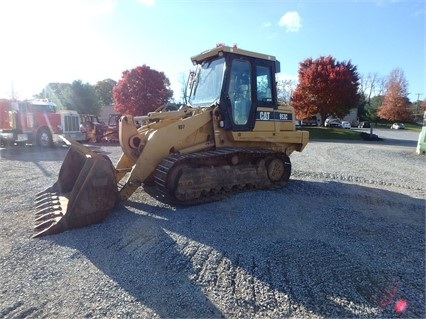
(232, 134)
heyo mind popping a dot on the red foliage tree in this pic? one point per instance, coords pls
(395, 102)
(327, 87)
(141, 90)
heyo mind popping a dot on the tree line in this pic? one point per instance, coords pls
(81, 97)
(329, 87)
(139, 91)
(325, 86)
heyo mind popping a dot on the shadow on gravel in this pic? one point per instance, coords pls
(408, 143)
(37, 154)
(32, 153)
(135, 259)
(380, 137)
(325, 248)
(382, 141)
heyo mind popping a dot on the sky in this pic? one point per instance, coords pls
(47, 41)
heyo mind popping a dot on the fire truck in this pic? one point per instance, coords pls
(36, 122)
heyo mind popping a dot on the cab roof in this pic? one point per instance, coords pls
(217, 51)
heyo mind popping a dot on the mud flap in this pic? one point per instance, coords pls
(84, 194)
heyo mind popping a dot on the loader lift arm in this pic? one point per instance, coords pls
(141, 156)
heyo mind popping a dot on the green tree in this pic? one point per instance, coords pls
(103, 90)
(141, 90)
(362, 106)
(327, 87)
(395, 102)
(77, 96)
(372, 108)
(59, 93)
(84, 98)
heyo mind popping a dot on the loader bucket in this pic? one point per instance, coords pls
(84, 194)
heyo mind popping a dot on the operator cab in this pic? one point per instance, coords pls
(239, 81)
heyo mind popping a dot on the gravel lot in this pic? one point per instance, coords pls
(345, 238)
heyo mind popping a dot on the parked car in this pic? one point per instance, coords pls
(332, 122)
(364, 124)
(312, 121)
(398, 126)
(346, 124)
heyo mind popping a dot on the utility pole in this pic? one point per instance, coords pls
(13, 91)
(418, 102)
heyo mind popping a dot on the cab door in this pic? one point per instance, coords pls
(25, 121)
(239, 93)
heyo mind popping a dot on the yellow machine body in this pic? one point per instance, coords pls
(232, 134)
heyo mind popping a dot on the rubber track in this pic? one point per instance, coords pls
(214, 158)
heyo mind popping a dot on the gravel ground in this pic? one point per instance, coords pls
(344, 238)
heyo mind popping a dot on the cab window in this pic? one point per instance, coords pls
(263, 85)
(239, 91)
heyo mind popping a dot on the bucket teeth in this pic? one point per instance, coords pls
(47, 204)
(45, 199)
(48, 227)
(44, 194)
(45, 224)
(48, 216)
(48, 221)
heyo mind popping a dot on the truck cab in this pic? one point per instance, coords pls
(37, 122)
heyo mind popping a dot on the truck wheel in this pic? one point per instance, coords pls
(5, 143)
(44, 138)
